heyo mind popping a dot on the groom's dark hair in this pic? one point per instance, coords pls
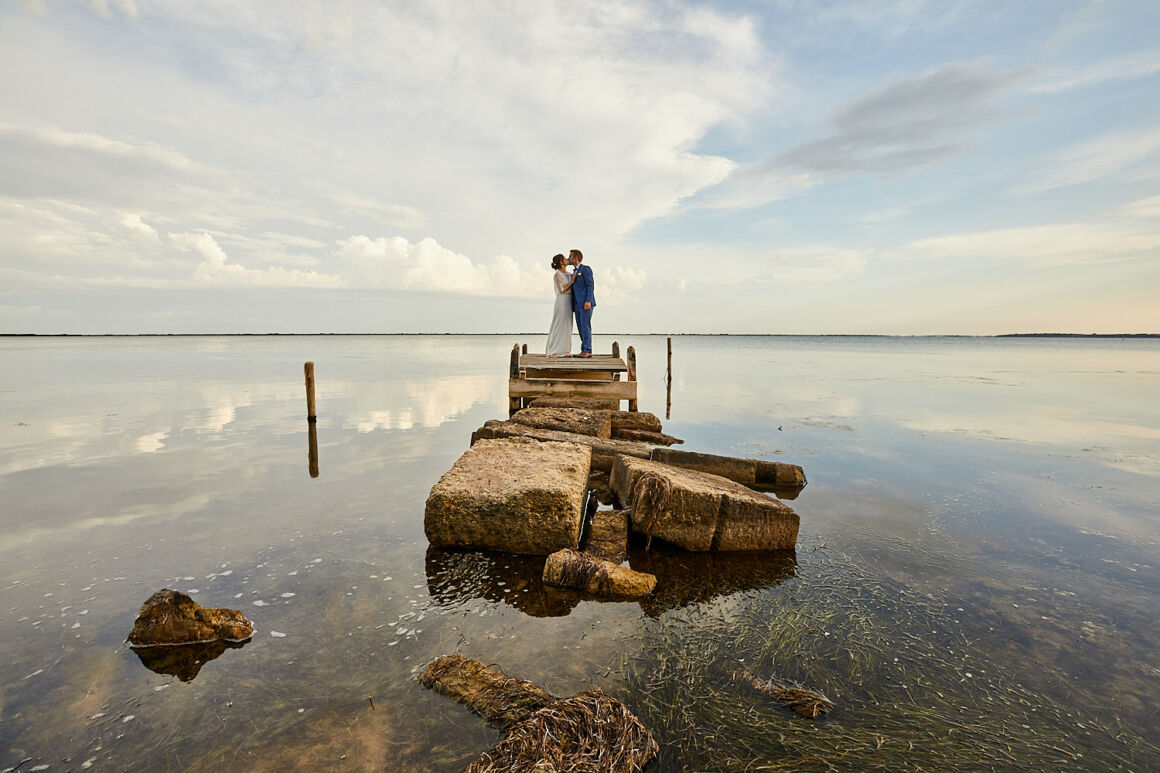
(576, 254)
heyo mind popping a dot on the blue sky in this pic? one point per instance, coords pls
(790, 166)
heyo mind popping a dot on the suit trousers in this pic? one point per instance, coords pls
(584, 327)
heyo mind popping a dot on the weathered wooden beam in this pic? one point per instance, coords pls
(551, 387)
(514, 374)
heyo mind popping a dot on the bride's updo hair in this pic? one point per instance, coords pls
(557, 261)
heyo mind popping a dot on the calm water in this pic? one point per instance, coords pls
(976, 584)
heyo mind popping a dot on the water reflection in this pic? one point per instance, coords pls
(685, 578)
(184, 660)
(455, 577)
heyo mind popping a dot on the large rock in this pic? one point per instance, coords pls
(594, 423)
(513, 494)
(604, 452)
(699, 511)
(170, 617)
(583, 572)
(749, 472)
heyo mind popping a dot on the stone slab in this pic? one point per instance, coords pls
(595, 423)
(517, 495)
(750, 472)
(705, 511)
(604, 452)
(608, 535)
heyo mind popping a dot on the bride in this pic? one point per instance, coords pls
(560, 333)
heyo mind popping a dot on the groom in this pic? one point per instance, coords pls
(583, 301)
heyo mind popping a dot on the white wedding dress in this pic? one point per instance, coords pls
(560, 333)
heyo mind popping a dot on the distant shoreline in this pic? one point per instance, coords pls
(639, 335)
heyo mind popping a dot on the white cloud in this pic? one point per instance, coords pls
(215, 267)
(139, 229)
(1132, 154)
(1131, 232)
(1139, 64)
(811, 263)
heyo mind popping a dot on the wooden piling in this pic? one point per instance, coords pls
(669, 383)
(514, 373)
(631, 362)
(524, 349)
(616, 353)
(311, 415)
(313, 450)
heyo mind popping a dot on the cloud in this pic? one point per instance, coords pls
(1128, 233)
(1132, 154)
(1132, 66)
(216, 269)
(909, 123)
(811, 263)
(140, 230)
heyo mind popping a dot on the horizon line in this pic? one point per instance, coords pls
(535, 333)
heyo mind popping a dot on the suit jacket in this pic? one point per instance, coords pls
(583, 290)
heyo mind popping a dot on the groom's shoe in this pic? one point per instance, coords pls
(584, 354)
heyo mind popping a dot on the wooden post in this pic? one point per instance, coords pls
(669, 369)
(631, 356)
(313, 450)
(310, 413)
(524, 349)
(616, 353)
(514, 373)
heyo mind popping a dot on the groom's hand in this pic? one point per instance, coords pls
(587, 305)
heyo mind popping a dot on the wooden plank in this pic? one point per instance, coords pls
(586, 375)
(551, 387)
(610, 364)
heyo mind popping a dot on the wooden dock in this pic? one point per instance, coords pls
(599, 377)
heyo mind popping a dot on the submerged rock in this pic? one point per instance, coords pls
(183, 660)
(699, 511)
(170, 617)
(513, 494)
(591, 731)
(569, 569)
(490, 693)
(594, 423)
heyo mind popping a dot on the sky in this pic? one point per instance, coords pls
(787, 166)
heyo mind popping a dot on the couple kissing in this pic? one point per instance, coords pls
(574, 297)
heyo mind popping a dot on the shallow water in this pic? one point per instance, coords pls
(976, 583)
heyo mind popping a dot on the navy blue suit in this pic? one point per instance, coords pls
(583, 292)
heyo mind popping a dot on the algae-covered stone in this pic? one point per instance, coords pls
(170, 617)
(580, 571)
(608, 535)
(513, 494)
(604, 452)
(594, 423)
(699, 511)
